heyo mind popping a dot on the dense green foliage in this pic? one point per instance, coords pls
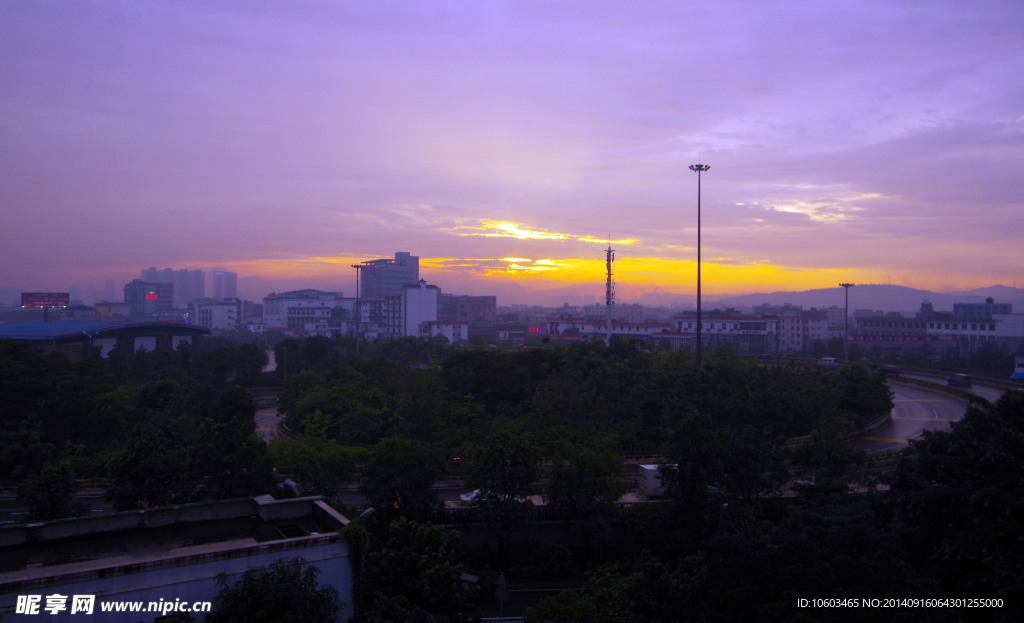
(146, 422)
(620, 397)
(285, 592)
(415, 575)
(951, 528)
(961, 502)
(399, 479)
(554, 424)
(187, 443)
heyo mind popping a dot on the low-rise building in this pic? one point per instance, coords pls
(452, 331)
(306, 312)
(745, 334)
(164, 555)
(71, 338)
(222, 315)
(599, 328)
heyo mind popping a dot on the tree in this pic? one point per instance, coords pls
(285, 592)
(189, 443)
(213, 365)
(416, 576)
(961, 503)
(505, 468)
(47, 400)
(612, 594)
(581, 478)
(399, 478)
(320, 467)
(49, 493)
(496, 380)
(582, 485)
(753, 463)
(696, 450)
(250, 360)
(829, 458)
(151, 470)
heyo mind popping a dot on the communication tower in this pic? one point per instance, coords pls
(609, 289)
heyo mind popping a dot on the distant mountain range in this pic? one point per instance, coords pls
(875, 297)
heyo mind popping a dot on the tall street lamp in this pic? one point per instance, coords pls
(358, 311)
(846, 321)
(699, 168)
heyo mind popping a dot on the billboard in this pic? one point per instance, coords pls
(45, 299)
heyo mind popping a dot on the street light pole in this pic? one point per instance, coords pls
(699, 168)
(358, 311)
(846, 321)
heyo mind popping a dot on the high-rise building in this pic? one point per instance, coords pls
(146, 298)
(387, 277)
(188, 284)
(225, 285)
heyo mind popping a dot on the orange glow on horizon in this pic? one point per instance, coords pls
(632, 275)
(655, 273)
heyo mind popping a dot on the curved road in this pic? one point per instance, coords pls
(916, 410)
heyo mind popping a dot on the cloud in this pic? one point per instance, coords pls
(195, 132)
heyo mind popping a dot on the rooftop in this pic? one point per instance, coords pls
(63, 330)
(31, 551)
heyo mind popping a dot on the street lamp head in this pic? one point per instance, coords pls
(699, 167)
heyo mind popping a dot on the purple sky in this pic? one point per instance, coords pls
(503, 143)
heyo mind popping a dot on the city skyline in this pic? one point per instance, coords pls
(506, 144)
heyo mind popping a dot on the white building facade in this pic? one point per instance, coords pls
(306, 312)
(218, 315)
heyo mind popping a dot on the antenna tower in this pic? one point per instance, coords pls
(609, 289)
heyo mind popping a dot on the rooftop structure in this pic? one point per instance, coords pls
(981, 311)
(167, 554)
(71, 337)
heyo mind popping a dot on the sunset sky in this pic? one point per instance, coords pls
(505, 143)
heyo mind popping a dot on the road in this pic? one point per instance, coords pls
(916, 410)
(266, 423)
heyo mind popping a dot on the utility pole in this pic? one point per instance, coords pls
(699, 168)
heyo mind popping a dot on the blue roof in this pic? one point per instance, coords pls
(65, 330)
